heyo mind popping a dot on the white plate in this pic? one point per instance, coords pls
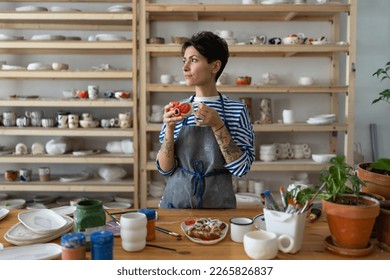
(64, 210)
(259, 222)
(4, 37)
(47, 37)
(19, 234)
(318, 43)
(12, 67)
(109, 37)
(39, 66)
(46, 251)
(320, 121)
(326, 116)
(62, 9)
(119, 8)
(123, 199)
(3, 213)
(85, 152)
(12, 203)
(224, 232)
(42, 220)
(74, 178)
(31, 9)
(116, 205)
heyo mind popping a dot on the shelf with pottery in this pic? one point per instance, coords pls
(282, 12)
(258, 50)
(76, 23)
(90, 185)
(66, 102)
(333, 49)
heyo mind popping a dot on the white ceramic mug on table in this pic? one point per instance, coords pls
(238, 227)
(264, 245)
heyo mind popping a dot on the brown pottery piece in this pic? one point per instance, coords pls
(374, 182)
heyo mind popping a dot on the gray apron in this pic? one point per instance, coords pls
(201, 180)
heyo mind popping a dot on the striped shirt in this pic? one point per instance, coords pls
(240, 127)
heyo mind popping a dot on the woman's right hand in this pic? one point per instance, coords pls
(169, 117)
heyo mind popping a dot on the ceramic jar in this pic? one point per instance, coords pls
(133, 231)
(89, 217)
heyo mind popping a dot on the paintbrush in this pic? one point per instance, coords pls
(178, 236)
(281, 190)
(112, 217)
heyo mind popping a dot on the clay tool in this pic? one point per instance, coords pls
(283, 198)
(270, 201)
(113, 217)
(160, 247)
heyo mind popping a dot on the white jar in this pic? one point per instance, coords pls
(133, 231)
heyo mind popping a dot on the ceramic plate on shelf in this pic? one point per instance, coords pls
(109, 37)
(12, 67)
(119, 8)
(3, 213)
(30, 9)
(4, 37)
(185, 226)
(62, 9)
(46, 251)
(75, 177)
(47, 37)
(42, 221)
(85, 152)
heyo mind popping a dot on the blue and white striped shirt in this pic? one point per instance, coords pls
(240, 127)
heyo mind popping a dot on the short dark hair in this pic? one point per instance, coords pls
(210, 46)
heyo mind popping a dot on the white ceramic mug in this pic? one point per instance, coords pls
(93, 91)
(47, 122)
(105, 123)
(167, 79)
(73, 120)
(133, 231)
(288, 116)
(264, 245)
(305, 81)
(238, 227)
(22, 121)
(9, 119)
(44, 174)
(25, 174)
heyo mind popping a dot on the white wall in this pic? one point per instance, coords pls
(373, 51)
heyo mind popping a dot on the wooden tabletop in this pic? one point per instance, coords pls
(312, 248)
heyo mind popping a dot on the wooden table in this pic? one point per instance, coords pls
(312, 248)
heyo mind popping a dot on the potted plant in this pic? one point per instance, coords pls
(376, 175)
(383, 74)
(350, 215)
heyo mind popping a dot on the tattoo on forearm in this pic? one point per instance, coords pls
(229, 149)
(167, 148)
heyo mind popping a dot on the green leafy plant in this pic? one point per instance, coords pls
(383, 74)
(339, 179)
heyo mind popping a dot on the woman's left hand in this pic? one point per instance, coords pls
(205, 115)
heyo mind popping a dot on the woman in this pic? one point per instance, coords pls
(199, 154)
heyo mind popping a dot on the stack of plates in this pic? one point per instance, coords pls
(109, 37)
(47, 37)
(31, 9)
(4, 37)
(47, 251)
(322, 119)
(119, 8)
(39, 66)
(38, 226)
(62, 9)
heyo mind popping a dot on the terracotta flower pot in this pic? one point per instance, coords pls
(374, 182)
(383, 226)
(350, 225)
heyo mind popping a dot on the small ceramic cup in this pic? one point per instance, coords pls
(25, 174)
(44, 174)
(288, 116)
(238, 227)
(167, 79)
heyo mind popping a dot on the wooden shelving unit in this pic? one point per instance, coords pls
(154, 13)
(92, 20)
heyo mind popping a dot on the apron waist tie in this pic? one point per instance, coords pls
(198, 173)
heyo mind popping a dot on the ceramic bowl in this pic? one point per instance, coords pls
(155, 40)
(322, 158)
(178, 40)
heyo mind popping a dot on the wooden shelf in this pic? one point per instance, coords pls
(327, 50)
(75, 132)
(226, 12)
(83, 74)
(255, 88)
(69, 159)
(47, 102)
